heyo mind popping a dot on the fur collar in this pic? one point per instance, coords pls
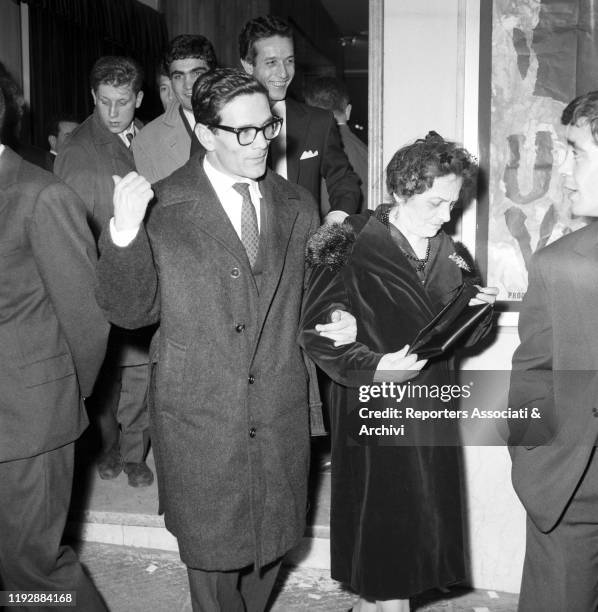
(331, 246)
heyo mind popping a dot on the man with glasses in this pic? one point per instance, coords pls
(167, 142)
(219, 263)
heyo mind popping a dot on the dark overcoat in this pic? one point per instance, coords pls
(52, 332)
(396, 523)
(229, 393)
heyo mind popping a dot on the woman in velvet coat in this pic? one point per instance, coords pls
(396, 514)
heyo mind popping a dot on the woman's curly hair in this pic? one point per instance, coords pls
(414, 167)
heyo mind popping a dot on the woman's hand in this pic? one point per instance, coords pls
(398, 367)
(486, 295)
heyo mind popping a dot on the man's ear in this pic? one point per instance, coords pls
(247, 66)
(139, 99)
(93, 95)
(205, 136)
(52, 142)
(348, 112)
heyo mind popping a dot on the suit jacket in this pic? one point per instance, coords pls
(555, 370)
(357, 154)
(52, 333)
(228, 399)
(162, 146)
(314, 130)
(86, 163)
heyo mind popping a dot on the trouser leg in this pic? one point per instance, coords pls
(246, 590)
(214, 591)
(102, 406)
(35, 494)
(132, 413)
(256, 586)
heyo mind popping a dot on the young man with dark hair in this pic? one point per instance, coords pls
(98, 149)
(168, 141)
(309, 147)
(330, 93)
(230, 388)
(52, 342)
(555, 372)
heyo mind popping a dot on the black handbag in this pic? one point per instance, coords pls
(450, 324)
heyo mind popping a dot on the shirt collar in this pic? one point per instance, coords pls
(2, 147)
(223, 183)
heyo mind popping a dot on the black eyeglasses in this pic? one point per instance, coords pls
(246, 135)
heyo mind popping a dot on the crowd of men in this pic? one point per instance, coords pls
(200, 219)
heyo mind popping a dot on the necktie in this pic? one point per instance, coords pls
(250, 235)
(129, 138)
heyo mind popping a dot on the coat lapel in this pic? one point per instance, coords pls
(281, 214)
(178, 141)
(112, 146)
(208, 215)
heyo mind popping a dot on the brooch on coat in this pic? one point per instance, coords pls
(460, 262)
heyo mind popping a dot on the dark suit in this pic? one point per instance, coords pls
(86, 163)
(229, 393)
(357, 154)
(312, 134)
(52, 343)
(555, 471)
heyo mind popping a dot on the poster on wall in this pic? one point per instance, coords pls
(539, 55)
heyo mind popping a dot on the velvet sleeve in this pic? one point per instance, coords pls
(349, 365)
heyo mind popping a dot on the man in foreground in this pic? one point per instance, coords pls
(555, 369)
(219, 262)
(52, 342)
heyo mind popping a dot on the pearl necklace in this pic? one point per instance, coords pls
(420, 264)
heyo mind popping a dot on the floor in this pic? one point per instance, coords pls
(117, 531)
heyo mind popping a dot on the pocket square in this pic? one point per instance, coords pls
(308, 154)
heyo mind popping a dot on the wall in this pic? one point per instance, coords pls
(430, 60)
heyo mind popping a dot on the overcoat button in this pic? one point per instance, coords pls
(235, 273)
(251, 379)
(252, 432)
(240, 328)
(595, 412)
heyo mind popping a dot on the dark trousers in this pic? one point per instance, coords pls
(118, 407)
(35, 495)
(560, 571)
(246, 590)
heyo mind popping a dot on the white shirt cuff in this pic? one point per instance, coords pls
(122, 238)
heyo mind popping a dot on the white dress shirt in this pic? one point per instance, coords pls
(130, 130)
